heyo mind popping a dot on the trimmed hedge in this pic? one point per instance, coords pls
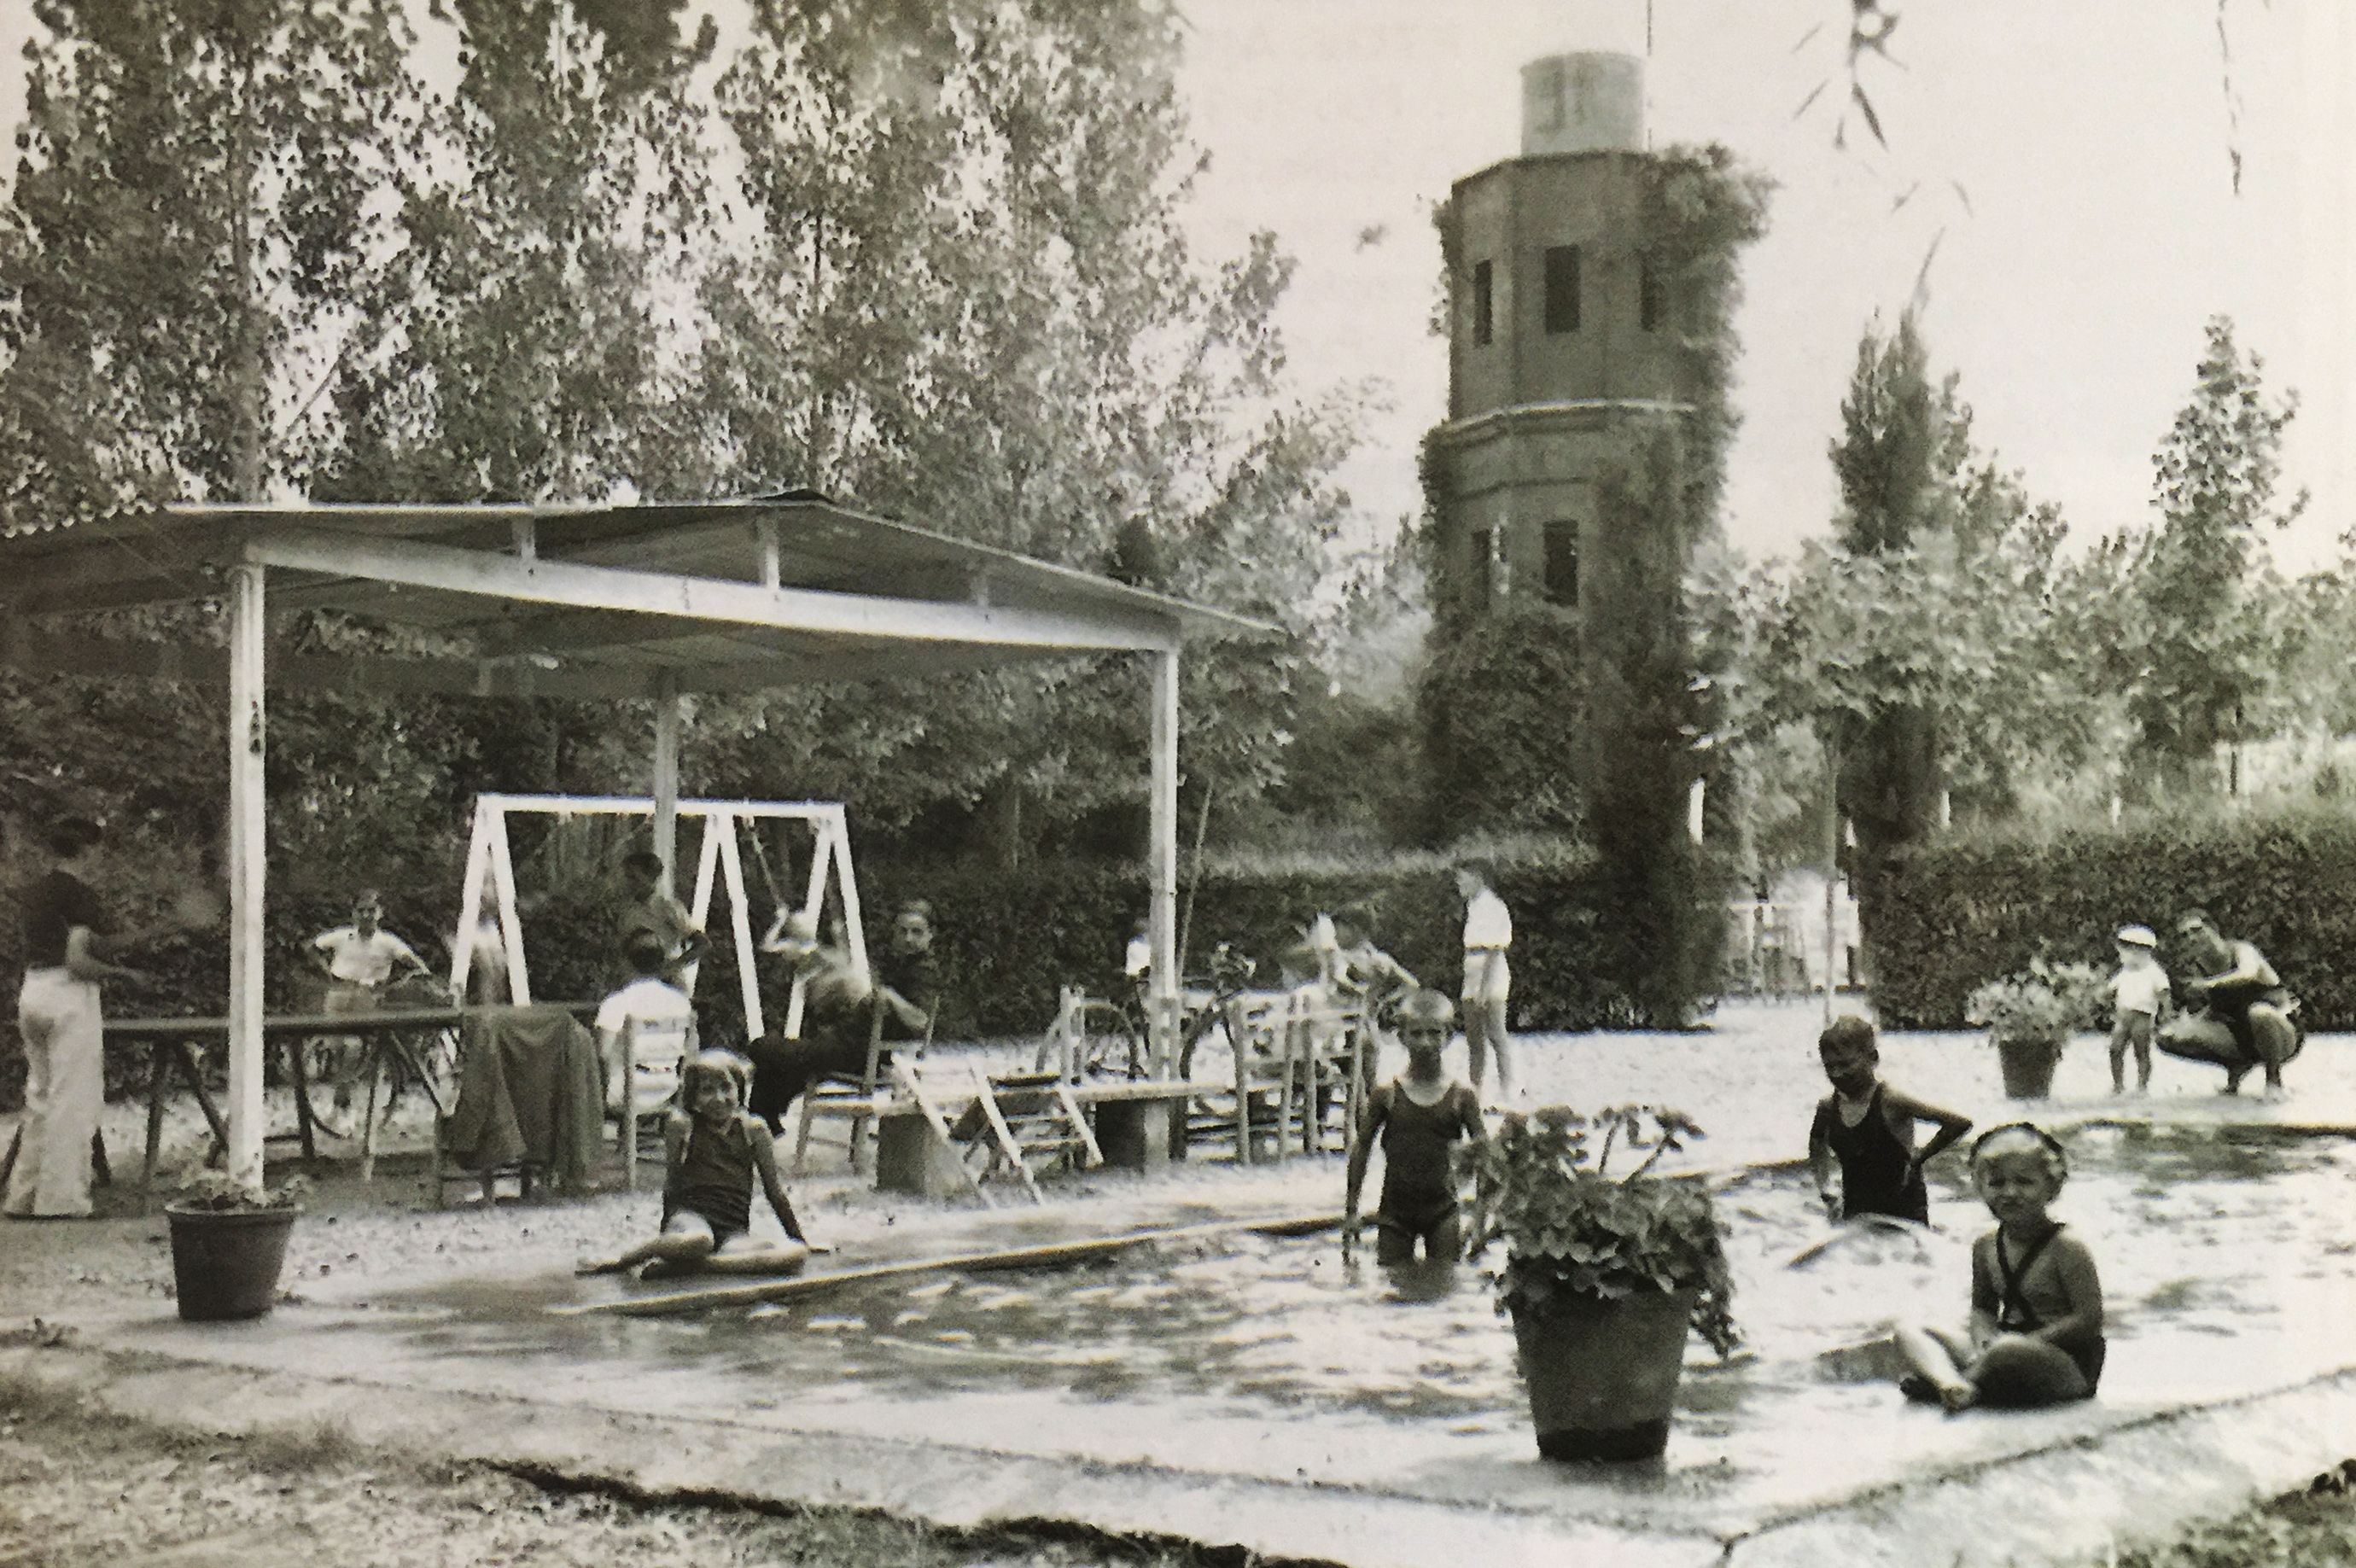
(1006, 940)
(1949, 915)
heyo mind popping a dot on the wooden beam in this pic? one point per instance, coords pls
(247, 633)
(708, 598)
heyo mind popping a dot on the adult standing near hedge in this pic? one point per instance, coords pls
(67, 933)
(1488, 933)
(2244, 994)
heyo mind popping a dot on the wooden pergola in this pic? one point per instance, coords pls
(588, 603)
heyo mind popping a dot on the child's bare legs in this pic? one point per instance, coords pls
(1939, 1358)
(748, 1254)
(2131, 1029)
(685, 1243)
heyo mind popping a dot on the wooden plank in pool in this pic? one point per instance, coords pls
(748, 1292)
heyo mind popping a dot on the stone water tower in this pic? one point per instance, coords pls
(1560, 334)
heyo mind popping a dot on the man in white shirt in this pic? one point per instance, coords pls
(661, 1023)
(358, 960)
(1488, 933)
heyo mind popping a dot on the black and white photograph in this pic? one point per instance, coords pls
(1177, 783)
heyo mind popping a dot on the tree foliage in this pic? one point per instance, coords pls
(2199, 649)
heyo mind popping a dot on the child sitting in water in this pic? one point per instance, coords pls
(714, 1150)
(2036, 1335)
(2138, 992)
(1867, 1128)
(1419, 1115)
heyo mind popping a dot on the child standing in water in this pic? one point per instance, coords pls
(2035, 1334)
(1420, 1116)
(2137, 992)
(714, 1151)
(1866, 1128)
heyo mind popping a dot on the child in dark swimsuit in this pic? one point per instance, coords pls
(2036, 1335)
(1867, 1129)
(714, 1151)
(1419, 1115)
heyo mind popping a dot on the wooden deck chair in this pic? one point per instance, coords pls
(855, 1098)
(638, 1124)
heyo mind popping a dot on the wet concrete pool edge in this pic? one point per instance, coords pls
(2063, 1501)
(944, 1486)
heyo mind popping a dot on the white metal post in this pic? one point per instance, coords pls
(1161, 923)
(247, 636)
(666, 779)
(470, 901)
(740, 922)
(503, 882)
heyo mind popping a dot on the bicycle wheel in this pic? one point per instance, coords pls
(1107, 1042)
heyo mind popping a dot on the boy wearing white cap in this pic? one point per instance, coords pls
(2137, 993)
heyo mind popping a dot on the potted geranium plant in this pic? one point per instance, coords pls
(1604, 1275)
(229, 1243)
(2031, 1014)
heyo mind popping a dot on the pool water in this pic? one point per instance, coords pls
(2204, 1239)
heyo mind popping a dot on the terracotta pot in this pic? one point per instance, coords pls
(2028, 1066)
(1602, 1375)
(226, 1262)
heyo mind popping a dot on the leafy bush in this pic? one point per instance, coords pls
(2045, 1002)
(1950, 913)
(217, 1192)
(1543, 1186)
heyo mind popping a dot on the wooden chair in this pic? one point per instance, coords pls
(1262, 1099)
(638, 1128)
(529, 1104)
(854, 1098)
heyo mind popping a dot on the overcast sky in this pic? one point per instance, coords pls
(2089, 136)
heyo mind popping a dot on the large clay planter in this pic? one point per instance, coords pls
(2028, 1066)
(1602, 1375)
(226, 1262)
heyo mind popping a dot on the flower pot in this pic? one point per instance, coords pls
(1602, 1375)
(226, 1262)
(2028, 1066)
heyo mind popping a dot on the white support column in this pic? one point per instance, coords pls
(666, 779)
(248, 636)
(1163, 864)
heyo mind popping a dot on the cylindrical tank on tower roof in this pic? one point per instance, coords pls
(1591, 102)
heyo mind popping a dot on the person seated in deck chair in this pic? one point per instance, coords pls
(838, 1000)
(908, 980)
(662, 1025)
(652, 908)
(714, 1151)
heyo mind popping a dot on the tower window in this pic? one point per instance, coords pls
(1477, 578)
(1562, 288)
(1562, 563)
(1484, 315)
(1652, 297)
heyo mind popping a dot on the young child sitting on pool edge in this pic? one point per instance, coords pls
(1420, 1116)
(1867, 1129)
(714, 1150)
(2035, 1334)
